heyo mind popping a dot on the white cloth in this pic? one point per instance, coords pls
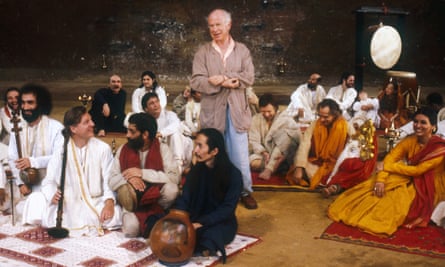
(192, 110)
(169, 126)
(87, 174)
(371, 114)
(305, 98)
(170, 177)
(438, 216)
(5, 184)
(38, 143)
(6, 125)
(138, 94)
(345, 98)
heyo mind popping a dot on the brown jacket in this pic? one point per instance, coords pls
(207, 63)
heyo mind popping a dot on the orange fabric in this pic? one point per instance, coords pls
(327, 144)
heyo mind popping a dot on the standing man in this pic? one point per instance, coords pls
(304, 101)
(39, 137)
(12, 105)
(144, 175)
(344, 94)
(222, 70)
(108, 107)
(322, 143)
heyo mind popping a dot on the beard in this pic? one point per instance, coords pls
(311, 86)
(35, 113)
(136, 143)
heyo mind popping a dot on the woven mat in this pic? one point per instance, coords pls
(30, 246)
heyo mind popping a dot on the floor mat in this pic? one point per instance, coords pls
(276, 183)
(428, 241)
(31, 246)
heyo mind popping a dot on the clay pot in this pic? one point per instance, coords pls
(173, 238)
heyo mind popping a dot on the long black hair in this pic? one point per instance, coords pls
(222, 168)
(152, 76)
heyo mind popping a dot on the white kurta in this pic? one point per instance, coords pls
(306, 99)
(169, 126)
(88, 171)
(192, 110)
(345, 99)
(138, 94)
(38, 144)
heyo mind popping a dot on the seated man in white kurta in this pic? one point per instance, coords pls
(169, 130)
(304, 101)
(344, 94)
(39, 137)
(89, 205)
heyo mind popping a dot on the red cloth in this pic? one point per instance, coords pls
(353, 171)
(148, 201)
(423, 203)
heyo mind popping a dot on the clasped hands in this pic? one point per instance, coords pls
(133, 176)
(223, 81)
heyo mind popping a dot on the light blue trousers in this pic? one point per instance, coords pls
(238, 150)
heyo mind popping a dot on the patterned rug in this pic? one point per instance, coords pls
(275, 183)
(28, 246)
(429, 241)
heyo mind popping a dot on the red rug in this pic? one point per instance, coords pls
(429, 241)
(275, 183)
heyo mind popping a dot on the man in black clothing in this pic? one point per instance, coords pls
(108, 107)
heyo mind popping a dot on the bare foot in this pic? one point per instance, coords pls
(101, 133)
(419, 222)
(265, 175)
(292, 180)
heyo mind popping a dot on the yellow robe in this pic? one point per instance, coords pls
(359, 207)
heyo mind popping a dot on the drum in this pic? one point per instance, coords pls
(386, 47)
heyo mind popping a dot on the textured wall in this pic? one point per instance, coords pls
(131, 36)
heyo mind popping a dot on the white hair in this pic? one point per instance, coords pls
(226, 14)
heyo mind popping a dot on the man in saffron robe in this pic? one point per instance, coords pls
(144, 175)
(322, 143)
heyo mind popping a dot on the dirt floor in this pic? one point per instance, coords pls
(289, 223)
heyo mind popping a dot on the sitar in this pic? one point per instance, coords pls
(30, 176)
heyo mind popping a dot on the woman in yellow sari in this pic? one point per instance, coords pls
(405, 189)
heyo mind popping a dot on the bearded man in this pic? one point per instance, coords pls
(304, 100)
(39, 137)
(144, 175)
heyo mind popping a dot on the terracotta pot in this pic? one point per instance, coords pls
(173, 238)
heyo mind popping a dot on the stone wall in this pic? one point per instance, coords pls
(61, 38)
